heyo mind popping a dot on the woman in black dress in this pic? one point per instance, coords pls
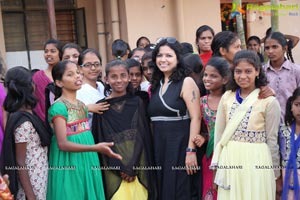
(174, 109)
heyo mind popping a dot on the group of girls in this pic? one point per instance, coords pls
(236, 144)
(240, 144)
(73, 157)
(27, 137)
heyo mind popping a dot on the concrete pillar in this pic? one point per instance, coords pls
(115, 19)
(51, 18)
(101, 32)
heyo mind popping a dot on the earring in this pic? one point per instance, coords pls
(257, 77)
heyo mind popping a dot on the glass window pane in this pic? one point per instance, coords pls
(37, 29)
(13, 25)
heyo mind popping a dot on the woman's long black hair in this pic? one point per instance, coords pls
(180, 71)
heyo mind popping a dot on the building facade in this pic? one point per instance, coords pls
(24, 24)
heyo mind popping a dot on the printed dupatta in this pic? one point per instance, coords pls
(291, 168)
(221, 147)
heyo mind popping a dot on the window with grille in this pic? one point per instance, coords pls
(25, 23)
(26, 27)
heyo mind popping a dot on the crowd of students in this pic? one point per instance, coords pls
(157, 122)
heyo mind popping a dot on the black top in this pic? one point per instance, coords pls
(125, 124)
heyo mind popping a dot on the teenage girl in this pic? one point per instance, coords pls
(120, 49)
(204, 37)
(91, 90)
(25, 139)
(253, 43)
(215, 77)
(52, 55)
(135, 72)
(246, 152)
(290, 147)
(71, 51)
(74, 165)
(226, 44)
(282, 73)
(125, 124)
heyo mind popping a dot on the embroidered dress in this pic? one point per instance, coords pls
(73, 175)
(285, 136)
(209, 118)
(247, 163)
(171, 128)
(36, 160)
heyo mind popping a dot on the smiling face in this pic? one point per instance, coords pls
(118, 79)
(91, 67)
(204, 41)
(71, 54)
(51, 54)
(71, 79)
(212, 79)
(135, 76)
(166, 60)
(245, 75)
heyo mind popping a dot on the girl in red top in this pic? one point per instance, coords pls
(204, 37)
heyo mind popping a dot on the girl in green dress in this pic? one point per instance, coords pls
(74, 168)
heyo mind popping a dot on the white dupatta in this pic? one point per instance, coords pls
(220, 151)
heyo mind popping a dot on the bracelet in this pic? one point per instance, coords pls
(190, 150)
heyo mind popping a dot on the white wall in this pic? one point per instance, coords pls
(158, 18)
(19, 58)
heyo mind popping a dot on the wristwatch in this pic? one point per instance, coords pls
(190, 150)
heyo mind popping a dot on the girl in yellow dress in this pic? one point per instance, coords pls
(246, 153)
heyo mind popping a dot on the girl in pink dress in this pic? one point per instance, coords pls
(215, 77)
(52, 54)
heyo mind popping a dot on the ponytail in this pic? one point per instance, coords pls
(289, 51)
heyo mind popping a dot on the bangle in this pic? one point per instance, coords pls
(190, 150)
